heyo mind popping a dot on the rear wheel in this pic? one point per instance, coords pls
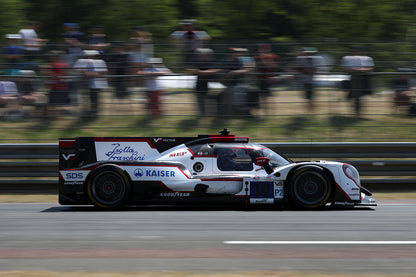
(109, 188)
(310, 187)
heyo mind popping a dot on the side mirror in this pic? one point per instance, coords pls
(261, 161)
(264, 162)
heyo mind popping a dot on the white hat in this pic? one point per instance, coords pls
(90, 52)
(155, 60)
(206, 51)
(14, 36)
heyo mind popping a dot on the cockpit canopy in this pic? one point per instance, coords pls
(238, 156)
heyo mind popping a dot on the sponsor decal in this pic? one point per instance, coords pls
(124, 150)
(344, 203)
(123, 153)
(159, 173)
(278, 183)
(178, 154)
(139, 172)
(261, 201)
(164, 139)
(73, 183)
(74, 176)
(156, 172)
(69, 157)
(175, 194)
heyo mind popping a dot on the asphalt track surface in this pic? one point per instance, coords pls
(46, 236)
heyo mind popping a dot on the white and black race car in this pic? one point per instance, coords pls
(111, 172)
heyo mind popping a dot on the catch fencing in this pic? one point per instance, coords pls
(284, 112)
(391, 166)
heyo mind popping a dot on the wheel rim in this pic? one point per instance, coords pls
(311, 188)
(108, 189)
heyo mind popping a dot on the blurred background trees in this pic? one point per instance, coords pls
(356, 20)
(12, 16)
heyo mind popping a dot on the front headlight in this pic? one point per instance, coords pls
(352, 173)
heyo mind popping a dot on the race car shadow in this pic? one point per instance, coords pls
(205, 208)
(151, 208)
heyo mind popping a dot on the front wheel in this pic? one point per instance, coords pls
(310, 187)
(109, 188)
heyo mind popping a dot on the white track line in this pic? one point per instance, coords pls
(322, 242)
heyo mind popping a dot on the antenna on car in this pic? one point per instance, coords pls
(225, 132)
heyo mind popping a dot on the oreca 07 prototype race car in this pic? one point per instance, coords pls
(111, 172)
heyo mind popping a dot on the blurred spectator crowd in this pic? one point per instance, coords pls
(47, 77)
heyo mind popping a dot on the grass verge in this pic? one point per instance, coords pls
(280, 117)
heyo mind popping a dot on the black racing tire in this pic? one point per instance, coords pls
(109, 187)
(310, 187)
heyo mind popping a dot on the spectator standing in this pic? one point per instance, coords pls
(229, 100)
(153, 69)
(91, 67)
(13, 53)
(28, 94)
(205, 69)
(403, 90)
(189, 40)
(305, 67)
(140, 34)
(97, 39)
(267, 65)
(58, 95)
(32, 43)
(73, 38)
(8, 93)
(118, 67)
(136, 59)
(359, 67)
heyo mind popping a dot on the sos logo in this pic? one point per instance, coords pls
(74, 176)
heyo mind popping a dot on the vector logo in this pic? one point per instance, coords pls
(138, 172)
